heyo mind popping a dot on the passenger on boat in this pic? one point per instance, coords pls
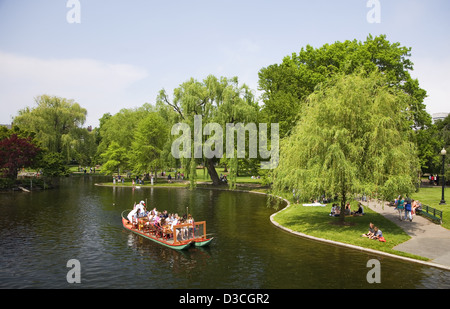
(156, 220)
(132, 215)
(174, 220)
(173, 223)
(190, 229)
(165, 214)
(141, 209)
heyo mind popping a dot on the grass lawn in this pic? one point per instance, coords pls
(315, 221)
(431, 196)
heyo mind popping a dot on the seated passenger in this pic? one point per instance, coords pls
(165, 214)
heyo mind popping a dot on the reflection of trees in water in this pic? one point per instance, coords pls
(180, 261)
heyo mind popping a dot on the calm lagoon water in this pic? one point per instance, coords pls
(42, 230)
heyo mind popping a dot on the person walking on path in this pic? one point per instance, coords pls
(400, 207)
(408, 209)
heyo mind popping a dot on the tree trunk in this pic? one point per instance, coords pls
(342, 214)
(212, 172)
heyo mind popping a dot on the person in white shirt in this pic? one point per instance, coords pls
(141, 208)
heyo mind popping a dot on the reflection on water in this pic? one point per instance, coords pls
(41, 231)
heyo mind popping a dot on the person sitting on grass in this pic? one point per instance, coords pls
(377, 233)
(371, 231)
(334, 211)
(348, 210)
(360, 210)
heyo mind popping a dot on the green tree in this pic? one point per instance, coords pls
(120, 128)
(54, 121)
(353, 137)
(429, 144)
(149, 141)
(285, 86)
(116, 158)
(217, 100)
(53, 165)
(443, 141)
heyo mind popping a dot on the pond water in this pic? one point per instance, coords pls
(42, 230)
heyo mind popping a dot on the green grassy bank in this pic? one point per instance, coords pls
(431, 196)
(315, 221)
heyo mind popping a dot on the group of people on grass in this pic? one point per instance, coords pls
(373, 233)
(160, 221)
(336, 210)
(406, 207)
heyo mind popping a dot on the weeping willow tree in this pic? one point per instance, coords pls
(57, 123)
(353, 137)
(217, 101)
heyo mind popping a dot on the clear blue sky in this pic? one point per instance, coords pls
(123, 52)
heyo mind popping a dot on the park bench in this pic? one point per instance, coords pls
(430, 212)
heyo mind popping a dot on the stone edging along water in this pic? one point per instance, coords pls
(332, 242)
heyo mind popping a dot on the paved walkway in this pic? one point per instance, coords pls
(428, 239)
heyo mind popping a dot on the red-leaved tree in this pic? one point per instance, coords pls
(15, 153)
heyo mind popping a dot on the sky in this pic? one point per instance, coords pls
(114, 54)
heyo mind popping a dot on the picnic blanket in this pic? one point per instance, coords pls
(315, 204)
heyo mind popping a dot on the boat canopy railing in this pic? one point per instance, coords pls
(189, 231)
(200, 229)
(181, 232)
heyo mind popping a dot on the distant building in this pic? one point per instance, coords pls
(8, 126)
(438, 116)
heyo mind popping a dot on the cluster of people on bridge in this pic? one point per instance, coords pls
(162, 221)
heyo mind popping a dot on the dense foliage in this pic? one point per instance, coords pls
(353, 136)
(218, 101)
(286, 85)
(351, 117)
